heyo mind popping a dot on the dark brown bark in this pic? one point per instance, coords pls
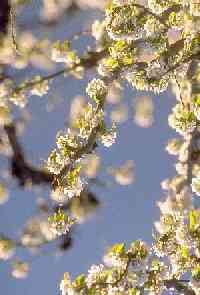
(20, 168)
(4, 16)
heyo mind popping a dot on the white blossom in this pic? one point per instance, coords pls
(124, 175)
(7, 249)
(20, 270)
(196, 185)
(19, 99)
(40, 88)
(75, 189)
(94, 274)
(96, 89)
(3, 194)
(109, 137)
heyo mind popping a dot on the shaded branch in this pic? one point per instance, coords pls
(20, 168)
(180, 286)
(5, 8)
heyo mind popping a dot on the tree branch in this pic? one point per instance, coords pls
(87, 62)
(179, 286)
(20, 168)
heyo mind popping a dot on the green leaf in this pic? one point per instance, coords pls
(155, 265)
(185, 252)
(133, 291)
(193, 220)
(118, 249)
(196, 272)
(80, 282)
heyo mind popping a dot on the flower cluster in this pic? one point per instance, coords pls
(124, 174)
(97, 90)
(108, 137)
(19, 95)
(143, 111)
(151, 46)
(61, 52)
(72, 147)
(74, 184)
(3, 194)
(7, 248)
(20, 269)
(36, 232)
(40, 87)
(175, 252)
(124, 272)
(60, 223)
